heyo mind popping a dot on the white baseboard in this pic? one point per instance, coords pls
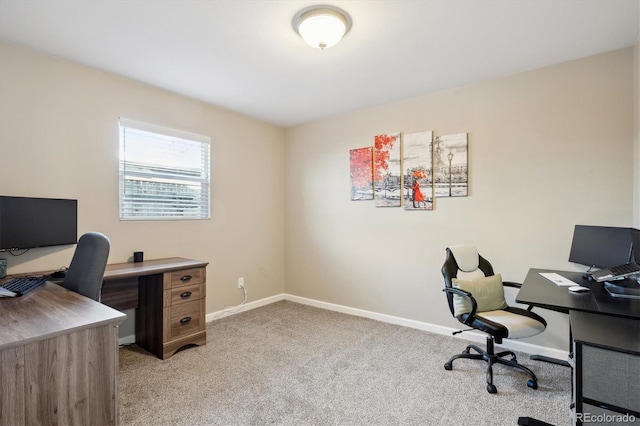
(419, 325)
(246, 307)
(514, 345)
(127, 340)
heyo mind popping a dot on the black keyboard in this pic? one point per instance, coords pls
(24, 285)
(627, 268)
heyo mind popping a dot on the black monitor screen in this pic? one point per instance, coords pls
(600, 246)
(37, 222)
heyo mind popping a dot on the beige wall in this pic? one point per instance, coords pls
(636, 134)
(548, 149)
(59, 138)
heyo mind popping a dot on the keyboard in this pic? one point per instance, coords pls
(23, 285)
(616, 272)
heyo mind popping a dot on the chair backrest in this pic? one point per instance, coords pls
(464, 262)
(86, 271)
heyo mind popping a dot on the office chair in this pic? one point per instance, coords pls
(86, 271)
(476, 298)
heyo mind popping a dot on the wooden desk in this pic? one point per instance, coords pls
(58, 359)
(169, 296)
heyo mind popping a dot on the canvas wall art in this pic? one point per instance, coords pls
(386, 170)
(450, 165)
(361, 167)
(418, 176)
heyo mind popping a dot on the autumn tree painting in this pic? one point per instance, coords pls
(386, 171)
(361, 165)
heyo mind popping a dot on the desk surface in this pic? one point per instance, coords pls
(539, 291)
(50, 311)
(621, 334)
(115, 271)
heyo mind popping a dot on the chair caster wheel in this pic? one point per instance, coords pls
(448, 366)
(532, 384)
(492, 389)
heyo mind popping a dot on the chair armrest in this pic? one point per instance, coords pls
(511, 284)
(515, 285)
(474, 304)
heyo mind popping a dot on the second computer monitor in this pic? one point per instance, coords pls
(600, 246)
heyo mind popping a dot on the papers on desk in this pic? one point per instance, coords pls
(6, 293)
(558, 279)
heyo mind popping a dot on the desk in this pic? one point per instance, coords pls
(605, 344)
(58, 359)
(169, 297)
(539, 291)
(606, 376)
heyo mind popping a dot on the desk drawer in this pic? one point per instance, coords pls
(187, 277)
(184, 319)
(182, 294)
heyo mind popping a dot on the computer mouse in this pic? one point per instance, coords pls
(578, 289)
(58, 274)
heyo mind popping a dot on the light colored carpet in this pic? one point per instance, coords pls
(291, 364)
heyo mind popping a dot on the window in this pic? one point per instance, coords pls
(164, 173)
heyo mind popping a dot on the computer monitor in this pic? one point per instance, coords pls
(600, 246)
(27, 222)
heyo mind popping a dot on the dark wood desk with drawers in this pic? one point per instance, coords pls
(169, 298)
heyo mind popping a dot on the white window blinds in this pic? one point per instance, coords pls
(164, 173)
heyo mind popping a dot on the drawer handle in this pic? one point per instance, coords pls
(185, 278)
(185, 320)
(185, 294)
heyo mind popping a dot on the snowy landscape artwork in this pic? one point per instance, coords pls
(450, 165)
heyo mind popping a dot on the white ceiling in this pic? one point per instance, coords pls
(244, 55)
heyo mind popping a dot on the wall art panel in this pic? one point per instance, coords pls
(386, 170)
(417, 165)
(450, 164)
(361, 167)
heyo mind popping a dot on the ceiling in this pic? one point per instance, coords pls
(244, 55)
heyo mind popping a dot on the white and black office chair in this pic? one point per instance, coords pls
(86, 271)
(476, 298)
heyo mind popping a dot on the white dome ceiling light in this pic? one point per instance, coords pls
(322, 26)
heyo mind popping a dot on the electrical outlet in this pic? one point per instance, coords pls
(240, 282)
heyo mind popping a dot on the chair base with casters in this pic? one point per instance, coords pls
(492, 358)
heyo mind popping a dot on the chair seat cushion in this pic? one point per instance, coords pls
(487, 291)
(518, 326)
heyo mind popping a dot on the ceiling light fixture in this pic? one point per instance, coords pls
(322, 26)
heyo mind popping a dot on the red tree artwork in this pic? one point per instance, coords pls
(387, 178)
(361, 165)
(383, 144)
